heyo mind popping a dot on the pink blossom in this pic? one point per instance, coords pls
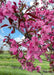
(20, 54)
(38, 68)
(1, 15)
(14, 46)
(6, 12)
(12, 41)
(13, 50)
(4, 40)
(52, 56)
(52, 38)
(51, 1)
(30, 66)
(47, 29)
(9, 10)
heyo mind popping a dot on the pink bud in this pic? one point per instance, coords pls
(12, 32)
(4, 40)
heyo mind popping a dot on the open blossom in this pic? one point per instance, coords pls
(52, 38)
(53, 44)
(52, 56)
(12, 41)
(1, 15)
(51, 1)
(38, 68)
(14, 46)
(46, 29)
(13, 50)
(4, 40)
(20, 54)
(29, 66)
(8, 10)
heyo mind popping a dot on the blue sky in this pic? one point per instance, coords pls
(5, 31)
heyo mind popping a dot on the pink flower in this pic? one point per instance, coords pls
(4, 40)
(51, 1)
(52, 56)
(20, 54)
(30, 66)
(38, 68)
(1, 15)
(12, 41)
(13, 50)
(14, 46)
(52, 38)
(47, 29)
(13, 17)
(23, 66)
(7, 12)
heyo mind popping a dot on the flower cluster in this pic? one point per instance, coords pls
(51, 1)
(36, 26)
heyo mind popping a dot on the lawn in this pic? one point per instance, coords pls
(11, 66)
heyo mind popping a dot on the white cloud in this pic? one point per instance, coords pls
(31, 3)
(6, 47)
(1, 40)
(18, 39)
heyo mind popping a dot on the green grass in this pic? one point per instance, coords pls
(11, 66)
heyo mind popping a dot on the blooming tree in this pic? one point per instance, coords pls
(36, 24)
